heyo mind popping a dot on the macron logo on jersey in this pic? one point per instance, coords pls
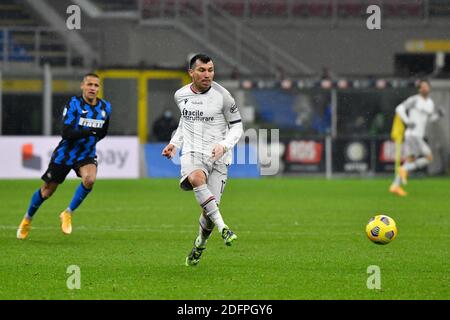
(195, 115)
(91, 123)
(234, 108)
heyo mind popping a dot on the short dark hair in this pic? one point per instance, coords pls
(91, 74)
(202, 57)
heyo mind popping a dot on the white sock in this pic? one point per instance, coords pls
(207, 201)
(204, 230)
(418, 164)
(410, 166)
(397, 180)
(216, 217)
(421, 162)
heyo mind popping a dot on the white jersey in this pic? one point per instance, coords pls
(207, 119)
(418, 110)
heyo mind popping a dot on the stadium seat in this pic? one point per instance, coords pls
(277, 8)
(321, 8)
(350, 8)
(117, 5)
(234, 7)
(300, 9)
(280, 8)
(187, 7)
(439, 8)
(403, 9)
(16, 52)
(22, 45)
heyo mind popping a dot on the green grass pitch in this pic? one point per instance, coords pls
(298, 239)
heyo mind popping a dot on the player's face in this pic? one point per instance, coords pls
(90, 87)
(202, 75)
(424, 88)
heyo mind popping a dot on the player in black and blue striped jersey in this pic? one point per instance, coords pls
(85, 123)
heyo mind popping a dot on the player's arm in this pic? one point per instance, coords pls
(436, 113)
(175, 143)
(69, 129)
(236, 129)
(103, 131)
(100, 133)
(177, 139)
(403, 108)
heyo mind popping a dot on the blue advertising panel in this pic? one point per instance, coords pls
(244, 162)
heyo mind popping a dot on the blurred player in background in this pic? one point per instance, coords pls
(85, 122)
(209, 127)
(415, 112)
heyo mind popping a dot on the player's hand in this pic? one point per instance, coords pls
(218, 152)
(169, 151)
(94, 132)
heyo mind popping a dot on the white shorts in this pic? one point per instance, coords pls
(216, 173)
(416, 147)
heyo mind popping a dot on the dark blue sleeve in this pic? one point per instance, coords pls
(70, 112)
(101, 133)
(104, 130)
(70, 130)
(69, 133)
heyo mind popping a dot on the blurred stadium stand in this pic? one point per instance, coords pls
(309, 68)
(238, 32)
(301, 28)
(117, 5)
(26, 38)
(14, 13)
(289, 8)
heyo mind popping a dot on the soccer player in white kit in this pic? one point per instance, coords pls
(209, 127)
(415, 112)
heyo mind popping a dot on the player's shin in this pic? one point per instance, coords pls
(397, 180)
(207, 201)
(410, 166)
(417, 164)
(422, 162)
(206, 227)
(35, 203)
(80, 194)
